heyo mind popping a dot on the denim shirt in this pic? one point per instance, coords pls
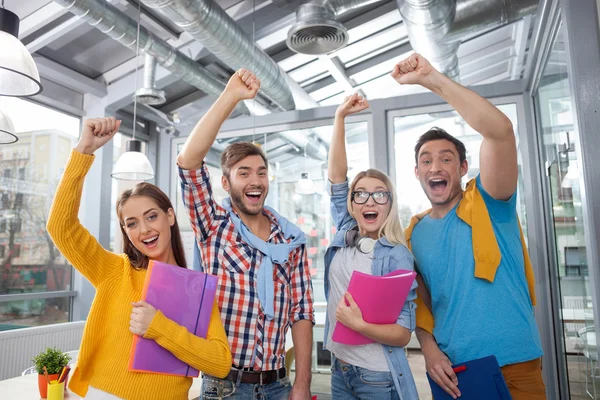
(387, 258)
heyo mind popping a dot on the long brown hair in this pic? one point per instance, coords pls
(391, 228)
(138, 259)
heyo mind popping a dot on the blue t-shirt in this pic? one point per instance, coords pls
(473, 317)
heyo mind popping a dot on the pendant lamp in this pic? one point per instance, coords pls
(133, 165)
(19, 76)
(7, 130)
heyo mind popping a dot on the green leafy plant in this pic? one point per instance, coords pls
(53, 359)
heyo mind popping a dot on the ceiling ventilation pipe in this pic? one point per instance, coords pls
(208, 23)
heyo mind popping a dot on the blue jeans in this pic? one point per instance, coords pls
(349, 382)
(215, 388)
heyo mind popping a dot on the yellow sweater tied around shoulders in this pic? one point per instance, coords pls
(473, 211)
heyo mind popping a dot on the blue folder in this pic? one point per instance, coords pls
(477, 379)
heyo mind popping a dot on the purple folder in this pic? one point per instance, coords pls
(182, 295)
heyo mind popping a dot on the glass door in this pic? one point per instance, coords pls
(559, 137)
(408, 125)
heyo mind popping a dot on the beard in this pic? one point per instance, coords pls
(237, 199)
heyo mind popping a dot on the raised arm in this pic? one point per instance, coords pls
(74, 241)
(498, 154)
(242, 85)
(337, 166)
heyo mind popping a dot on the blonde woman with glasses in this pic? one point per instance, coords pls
(370, 240)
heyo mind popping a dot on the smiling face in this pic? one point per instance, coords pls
(372, 213)
(248, 185)
(148, 227)
(439, 171)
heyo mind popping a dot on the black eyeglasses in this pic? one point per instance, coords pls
(360, 197)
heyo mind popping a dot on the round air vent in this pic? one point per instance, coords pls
(317, 38)
(152, 97)
(316, 32)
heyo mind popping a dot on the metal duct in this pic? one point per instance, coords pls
(123, 29)
(436, 27)
(208, 23)
(149, 94)
(474, 17)
(299, 139)
(110, 20)
(427, 23)
(314, 148)
(316, 30)
(339, 7)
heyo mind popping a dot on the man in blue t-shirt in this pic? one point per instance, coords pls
(469, 246)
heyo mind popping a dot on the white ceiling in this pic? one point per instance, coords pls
(378, 39)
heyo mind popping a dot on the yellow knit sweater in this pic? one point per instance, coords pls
(104, 353)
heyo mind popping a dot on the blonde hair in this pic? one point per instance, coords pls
(392, 227)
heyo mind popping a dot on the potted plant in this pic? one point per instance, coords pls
(53, 359)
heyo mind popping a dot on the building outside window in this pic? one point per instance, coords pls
(29, 261)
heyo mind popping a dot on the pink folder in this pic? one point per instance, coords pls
(182, 295)
(380, 298)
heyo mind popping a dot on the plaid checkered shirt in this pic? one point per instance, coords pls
(255, 341)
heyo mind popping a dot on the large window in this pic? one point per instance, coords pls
(291, 154)
(559, 141)
(36, 284)
(408, 127)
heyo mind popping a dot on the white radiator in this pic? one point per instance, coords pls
(19, 346)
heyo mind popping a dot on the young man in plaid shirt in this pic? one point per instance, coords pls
(259, 257)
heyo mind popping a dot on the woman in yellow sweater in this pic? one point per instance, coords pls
(150, 232)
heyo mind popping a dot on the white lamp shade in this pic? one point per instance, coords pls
(133, 165)
(7, 130)
(305, 185)
(19, 76)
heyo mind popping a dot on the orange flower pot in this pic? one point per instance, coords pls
(43, 384)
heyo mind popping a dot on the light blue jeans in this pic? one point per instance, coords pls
(214, 388)
(349, 382)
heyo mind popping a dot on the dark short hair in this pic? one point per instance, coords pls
(236, 152)
(436, 133)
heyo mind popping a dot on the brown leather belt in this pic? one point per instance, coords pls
(255, 377)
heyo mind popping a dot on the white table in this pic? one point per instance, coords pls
(26, 388)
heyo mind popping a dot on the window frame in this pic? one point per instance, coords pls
(5, 198)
